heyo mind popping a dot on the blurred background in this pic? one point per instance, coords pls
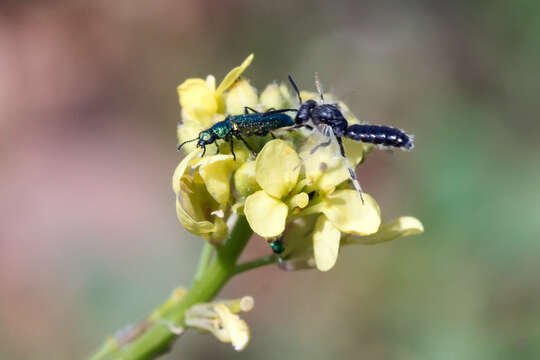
(89, 240)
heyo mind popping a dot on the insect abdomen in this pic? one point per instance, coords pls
(277, 121)
(262, 122)
(380, 135)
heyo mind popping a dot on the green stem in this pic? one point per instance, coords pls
(204, 260)
(250, 265)
(157, 339)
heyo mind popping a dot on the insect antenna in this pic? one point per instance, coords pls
(185, 142)
(295, 89)
(319, 87)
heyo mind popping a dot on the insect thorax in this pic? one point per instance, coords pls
(221, 129)
(330, 115)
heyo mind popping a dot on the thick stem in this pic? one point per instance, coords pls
(157, 339)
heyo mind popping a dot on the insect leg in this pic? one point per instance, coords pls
(246, 108)
(217, 148)
(326, 131)
(238, 136)
(340, 143)
(309, 127)
(324, 144)
(352, 173)
(231, 142)
(272, 135)
(204, 151)
(272, 111)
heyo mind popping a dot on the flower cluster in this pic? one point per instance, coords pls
(285, 191)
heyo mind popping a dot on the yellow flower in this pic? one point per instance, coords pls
(327, 240)
(294, 189)
(201, 101)
(220, 319)
(277, 172)
(277, 168)
(197, 209)
(342, 212)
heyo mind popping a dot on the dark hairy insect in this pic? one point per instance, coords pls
(237, 126)
(329, 120)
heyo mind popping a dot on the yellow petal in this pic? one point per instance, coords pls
(234, 74)
(403, 226)
(204, 117)
(325, 168)
(194, 94)
(181, 169)
(346, 211)
(211, 82)
(236, 328)
(277, 168)
(298, 238)
(354, 151)
(325, 243)
(265, 214)
(216, 171)
(244, 179)
(240, 95)
(192, 225)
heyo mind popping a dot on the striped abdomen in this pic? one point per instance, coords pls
(380, 135)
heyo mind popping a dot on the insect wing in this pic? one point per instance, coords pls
(321, 159)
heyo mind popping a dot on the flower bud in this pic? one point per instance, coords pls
(240, 95)
(276, 97)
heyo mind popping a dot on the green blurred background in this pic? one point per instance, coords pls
(89, 239)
